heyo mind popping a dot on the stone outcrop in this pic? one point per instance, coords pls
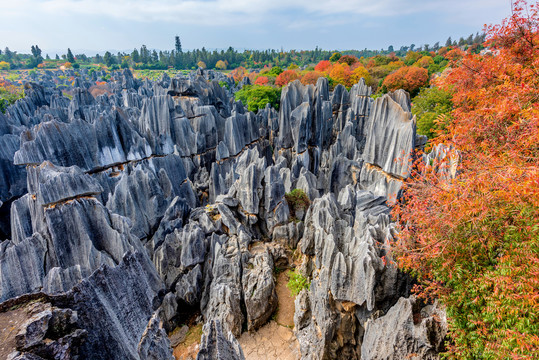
(126, 213)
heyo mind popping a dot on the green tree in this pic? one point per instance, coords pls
(108, 59)
(335, 57)
(178, 45)
(429, 105)
(256, 97)
(70, 56)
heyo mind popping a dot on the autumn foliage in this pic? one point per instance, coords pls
(311, 77)
(323, 66)
(261, 80)
(409, 78)
(473, 240)
(342, 74)
(286, 76)
(9, 94)
(239, 73)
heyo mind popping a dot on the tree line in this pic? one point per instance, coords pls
(144, 58)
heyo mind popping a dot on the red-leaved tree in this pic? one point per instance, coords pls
(473, 240)
(409, 78)
(286, 76)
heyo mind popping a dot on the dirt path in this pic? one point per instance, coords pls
(275, 340)
(285, 311)
(271, 341)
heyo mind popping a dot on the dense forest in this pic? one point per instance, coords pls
(145, 58)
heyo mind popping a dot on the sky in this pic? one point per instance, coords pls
(92, 26)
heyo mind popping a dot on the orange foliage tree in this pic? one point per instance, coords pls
(238, 73)
(286, 76)
(348, 59)
(262, 80)
(360, 72)
(341, 74)
(323, 66)
(311, 77)
(455, 54)
(409, 78)
(424, 62)
(472, 240)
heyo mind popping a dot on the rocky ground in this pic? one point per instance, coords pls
(132, 212)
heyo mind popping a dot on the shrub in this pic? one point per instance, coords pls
(342, 74)
(311, 77)
(429, 105)
(286, 76)
(297, 199)
(409, 78)
(262, 80)
(275, 71)
(297, 282)
(472, 241)
(4, 65)
(9, 94)
(348, 59)
(361, 72)
(221, 65)
(256, 97)
(323, 66)
(335, 57)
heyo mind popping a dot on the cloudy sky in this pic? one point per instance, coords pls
(99, 25)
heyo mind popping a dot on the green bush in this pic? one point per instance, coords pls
(335, 57)
(224, 83)
(275, 71)
(256, 97)
(8, 98)
(428, 106)
(297, 199)
(297, 282)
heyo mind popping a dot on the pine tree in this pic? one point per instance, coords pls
(70, 56)
(178, 45)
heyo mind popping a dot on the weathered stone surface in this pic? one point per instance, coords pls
(191, 185)
(21, 266)
(53, 184)
(114, 305)
(225, 291)
(259, 290)
(89, 146)
(154, 344)
(218, 344)
(415, 333)
(390, 137)
(182, 250)
(12, 178)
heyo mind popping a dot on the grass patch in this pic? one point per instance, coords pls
(297, 282)
(193, 335)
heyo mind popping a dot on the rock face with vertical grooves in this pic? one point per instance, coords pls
(162, 199)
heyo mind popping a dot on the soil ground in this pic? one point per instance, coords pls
(275, 340)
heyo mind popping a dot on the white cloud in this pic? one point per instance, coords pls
(242, 12)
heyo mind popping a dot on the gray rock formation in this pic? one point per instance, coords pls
(215, 345)
(259, 290)
(159, 200)
(415, 334)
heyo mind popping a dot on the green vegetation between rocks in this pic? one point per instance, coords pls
(297, 200)
(297, 282)
(256, 97)
(432, 107)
